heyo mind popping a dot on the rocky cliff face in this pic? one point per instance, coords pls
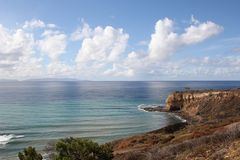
(212, 131)
(206, 104)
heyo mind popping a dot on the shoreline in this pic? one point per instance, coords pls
(143, 141)
(206, 118)
(162, 109)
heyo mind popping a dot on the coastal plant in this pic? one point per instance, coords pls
(197, 145)
(136, 156)
(29, 154)
(81, 149)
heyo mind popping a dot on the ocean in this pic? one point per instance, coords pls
(34, 113)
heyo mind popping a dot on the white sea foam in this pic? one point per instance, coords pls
(142, 106)
(4, 139)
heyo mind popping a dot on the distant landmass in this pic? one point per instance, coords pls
(43, 79)
(53, 79)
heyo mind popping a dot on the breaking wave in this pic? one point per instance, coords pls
(4, 139)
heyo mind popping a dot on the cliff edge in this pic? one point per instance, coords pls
(205, 105)
(212, 130)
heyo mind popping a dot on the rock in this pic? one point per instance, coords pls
(155, 109)
(205, 104)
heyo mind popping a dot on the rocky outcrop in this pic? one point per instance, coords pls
(214, 133)
(205, 104)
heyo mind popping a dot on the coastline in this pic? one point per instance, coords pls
(208, 123)
(161, 108)
(141, 138)
(203, 116)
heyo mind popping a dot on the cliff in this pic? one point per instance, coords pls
(205, 105)
(212, 131)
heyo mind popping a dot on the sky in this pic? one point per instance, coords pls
(120, 40)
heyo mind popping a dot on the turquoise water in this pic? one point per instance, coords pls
(35, 113)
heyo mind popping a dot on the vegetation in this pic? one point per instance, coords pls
(82, 149)
(29, 154)
(72, 149)
(213, 146)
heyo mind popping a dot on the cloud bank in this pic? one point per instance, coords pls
(103, 52)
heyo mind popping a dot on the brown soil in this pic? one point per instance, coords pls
(208, 134)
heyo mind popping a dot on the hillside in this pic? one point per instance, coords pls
(212, 130)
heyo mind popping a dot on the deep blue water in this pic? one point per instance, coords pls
(35, 113)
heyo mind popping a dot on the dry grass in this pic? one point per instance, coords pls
(202, 147)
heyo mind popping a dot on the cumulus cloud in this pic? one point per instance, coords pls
(53, 44)
(119, 71)
(164, 41)
(28, 67)
(34, 23)
(102, 52)
(37, 23)
(82, 32)
(17, 54)
(200, 32)
(163, 44)
(105, 44)
(60, 69)
(101, 48)
(14, 44)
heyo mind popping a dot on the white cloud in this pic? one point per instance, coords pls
(200, 32)
(59, 69)
(142, 43)
(164, 41)
(37, 23)
(82, 32)
(28, 67)
(101, 47)
(53, 44)
(34, 24)
(102, 53)
(194, 20)
(119, 71)
(105, 44)
(14, 44)
(51, 25)
(17, 54)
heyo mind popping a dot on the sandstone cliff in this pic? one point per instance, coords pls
(206, 104)
(212, 131)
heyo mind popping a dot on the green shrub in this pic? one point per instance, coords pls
(81, 149)
(29, 154)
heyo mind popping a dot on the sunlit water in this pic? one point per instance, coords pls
(35, 113)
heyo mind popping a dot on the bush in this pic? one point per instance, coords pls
(29, 154)
(82, 149)
(135, 156)
(222, 137)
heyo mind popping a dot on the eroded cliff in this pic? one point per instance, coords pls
(212, 131)
(206, 104)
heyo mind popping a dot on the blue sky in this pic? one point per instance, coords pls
(141, 40)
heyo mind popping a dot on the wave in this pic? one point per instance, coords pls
(142, 106)
(4, 139)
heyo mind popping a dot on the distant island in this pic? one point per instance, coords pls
(43, 80)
